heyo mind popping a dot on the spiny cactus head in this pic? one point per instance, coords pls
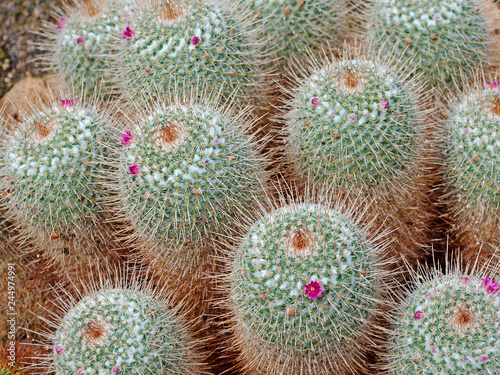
(441, 39)
(183, 169)
(118, 323)
(354, 120)
(472, 153)
(189, 43)
(450, 324)
(79, 46)
(304, 287)
(50, 163)
(291, 28)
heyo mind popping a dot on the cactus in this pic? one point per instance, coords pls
(292, 28)
(444, 40)
(50, 179)
(183, 169)
(472, 140)
(304, 287)
(81, 44)
(189, 43)
(448, 325)
(120, 331)
(355, 121)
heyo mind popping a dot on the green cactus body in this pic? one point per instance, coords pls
(472, 154)
(184, 170)
(353, 121)
(84, 41)
(449, 325)
(441, 39)
(188, 44)
(304, 281)
(293, 27)
(5, 371)
(50, 167)
(119, 331)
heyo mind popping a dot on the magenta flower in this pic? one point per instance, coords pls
(134, 169)
(490, 286)
(493, 85)
(315, 101)
(80, 373)
(59, 350)
(353, 117)
(313, 290)
(127, 138)
(428, 295)
(195, 40)
(128, 33)
(418, 315)
(464, 280)
(61, 23)
(80, 40)
(116, 369)
(385, 104)
(66, 103)
(483, 359)
(434, 349)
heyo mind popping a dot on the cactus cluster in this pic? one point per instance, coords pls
(448, 325)
(442, 39)
(305, 285)
(119, 331)
(183, 170)
(354, 121)
(291, 29)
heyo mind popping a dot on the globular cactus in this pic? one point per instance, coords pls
(292, 28)
(444, 40)
(183, 169)
(450, 324)
(121, 325)
(50, 180)
(357, 123)
(185, 44)
(81, 44)
(470, 160)
(304, 288)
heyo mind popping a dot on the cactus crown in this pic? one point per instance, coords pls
(449, 325)
(184, 169)
(473, 142)
(354, 120)
(49, 175)
(118, 331)
(190, 42)
(305, 280)
(442, 39)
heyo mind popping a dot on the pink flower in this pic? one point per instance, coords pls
(128, 33)
(116, 369)
(80, 40)
(61, 23)
(80, 373)
(428, 295)
(66, 103)
(490, 286)
(385, 104)
(127, 138)
(313, 290)
(216, 142)
(483, 359)
(195, 40)
(59, 350)
(353, 117)
(418, 315)
(134, 169)
(434, 349)
(315, 101)
(493, 85)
